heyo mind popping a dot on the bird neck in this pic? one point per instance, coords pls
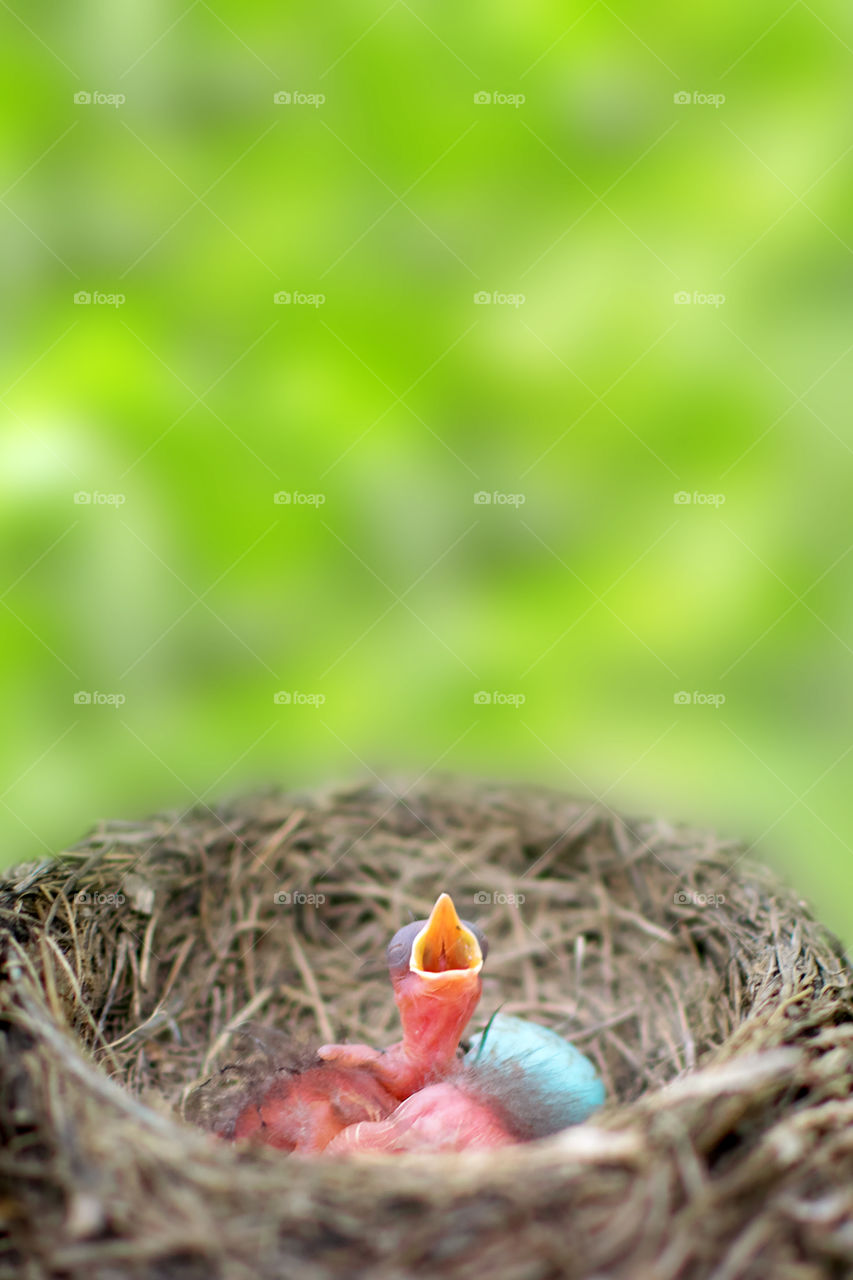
(433, 1016)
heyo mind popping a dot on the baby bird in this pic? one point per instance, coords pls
(279, 1095)
(435, 968)
(519, 1081)
(298, 1100)
(565, 1084)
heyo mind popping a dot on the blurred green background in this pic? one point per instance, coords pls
(580, 199)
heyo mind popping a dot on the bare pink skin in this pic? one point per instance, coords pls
(304, 1112)
(439, 1118)
(434, 1011)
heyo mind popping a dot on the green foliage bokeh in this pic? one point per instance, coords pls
(386, 388)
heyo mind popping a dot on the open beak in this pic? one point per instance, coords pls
(445, 946)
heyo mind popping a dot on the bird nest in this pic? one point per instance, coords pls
(718, 1014)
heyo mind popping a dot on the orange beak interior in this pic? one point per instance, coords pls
(444, 945)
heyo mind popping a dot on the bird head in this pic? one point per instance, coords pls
(435, 967)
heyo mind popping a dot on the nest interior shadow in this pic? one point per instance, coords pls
(716, 1010)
